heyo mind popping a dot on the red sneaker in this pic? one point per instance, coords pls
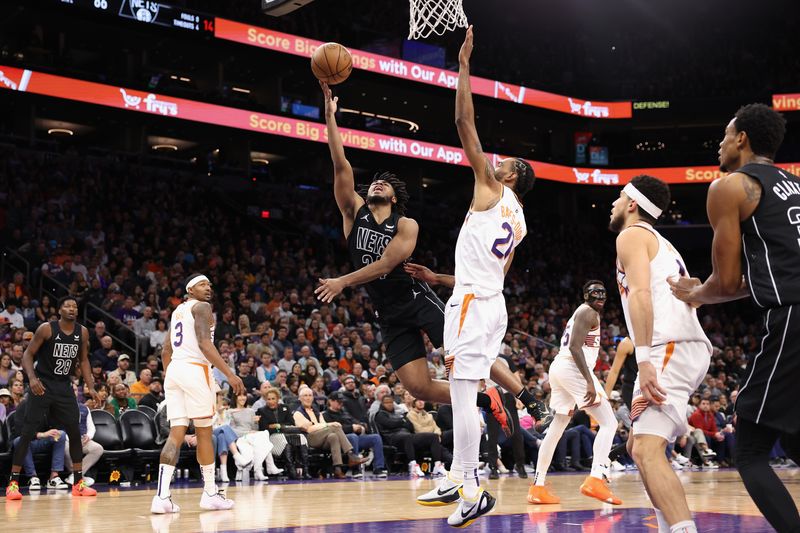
(499, 410)
(12, 491)
(81, 489)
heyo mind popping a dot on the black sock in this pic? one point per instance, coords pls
(526, 397)
(14, 477)
(484, 402)
(77, 475)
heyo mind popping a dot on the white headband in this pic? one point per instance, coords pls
(649, 207)
(194, 281)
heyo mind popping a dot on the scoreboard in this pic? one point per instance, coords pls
(149, 12)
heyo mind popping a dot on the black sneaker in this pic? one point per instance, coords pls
(469, 511)
(521, 472)
(494, 473)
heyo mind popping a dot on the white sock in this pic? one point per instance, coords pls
(663, 525)
(223, 473)
(209, 487)
(466, 431)
(604, 415)
(548, 447)
(164, 479)
(456, 474)
(687, 526)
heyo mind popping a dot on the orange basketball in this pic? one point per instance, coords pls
(331, 63)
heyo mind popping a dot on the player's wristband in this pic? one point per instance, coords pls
(642, 354)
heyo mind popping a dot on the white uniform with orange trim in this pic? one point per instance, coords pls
(475, 317)
(189, 388)
(680, 351)
(567, 383)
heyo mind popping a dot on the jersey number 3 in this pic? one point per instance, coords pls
(508, 241)
(178, 334)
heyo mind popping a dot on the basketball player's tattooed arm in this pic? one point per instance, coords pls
(86, 367)
(202, 329)
(624, 349)
(585, 320)
(398, 250)
(427, 275)
(730, 200)
(465, 124)
(42, 334)
(166, 349)
(633, 251)
(344, 188)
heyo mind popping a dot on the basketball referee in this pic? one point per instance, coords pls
(58, 347)
(755, 213)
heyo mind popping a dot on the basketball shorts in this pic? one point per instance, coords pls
(568, 387)
(189, 390)
(57, 405)
(475, 323)
(680, 368)
(402, 328)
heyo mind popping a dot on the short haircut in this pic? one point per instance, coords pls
(654, 190)
(62, 300)
(189, 278)
(764, 127)
(590, 283)
(525, 177)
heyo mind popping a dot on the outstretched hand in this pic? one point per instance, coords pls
(420, 272)
(329, 289)
(466, 48)
(331, 102)
(683, 289)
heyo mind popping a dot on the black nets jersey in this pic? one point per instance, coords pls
(57, 358)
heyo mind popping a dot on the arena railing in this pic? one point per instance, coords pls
(102, 314)
(13, 261)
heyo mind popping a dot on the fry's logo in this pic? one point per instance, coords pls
(587, 109)
(501, 90)
(152, 103)
(597, 177)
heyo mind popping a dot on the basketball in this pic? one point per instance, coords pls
(331, 63)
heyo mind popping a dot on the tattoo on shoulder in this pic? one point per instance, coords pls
(752, 189)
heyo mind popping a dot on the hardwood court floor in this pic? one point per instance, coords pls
(718, 498)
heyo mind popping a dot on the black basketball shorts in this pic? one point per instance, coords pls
(402, 327)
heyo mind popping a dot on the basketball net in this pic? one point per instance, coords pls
(435, 16)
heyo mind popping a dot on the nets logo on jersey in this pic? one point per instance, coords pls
(371, 241)
(65, 351)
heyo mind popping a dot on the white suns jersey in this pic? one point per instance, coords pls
(590, 346)
(673, 320)
(182, 336)
(486, 241)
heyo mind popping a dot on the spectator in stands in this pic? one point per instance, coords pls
(310, 375)
(290, 393)
(397, 430)
(288, 361)
(354, 402)
(48, 440)
(92, 451)
(123, 365)
(287, 438)
(253, 444)
(266, 371)
(17, 392)
(144, 326)
(152, 365)
(142, 387)
(16, 356)
(297, 371)
(12, 314)
(45, 310)
(105, 354)
(250, 381)
(95, 335)
(702, 420)
(280, 343)
(380, 392)
(262, 401)
(325, 436)
(437, 365)
(155, 394)
(158, 336)
(6, 372)
(424, 422)
(225, 440)
(330, 373)
(6, 404)
(356, 433)
(226, 328)
(724, 448)
(120, 402)
(28, 312)
(102, 397)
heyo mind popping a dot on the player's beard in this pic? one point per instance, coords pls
(617, 223)
(377, 200)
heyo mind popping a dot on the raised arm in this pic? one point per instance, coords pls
(42, 334)
(465, 123)
(425, 274)
(203, 319)
(585, 320)
(398, 250)
(344, 188)
(624, 349)
(727, 198)
(632, 251)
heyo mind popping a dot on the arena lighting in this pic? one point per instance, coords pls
(160, 106)
(278, 8)
(240, 90)
(259, 160)
(412, 126)
(165, 147)
(60, 131)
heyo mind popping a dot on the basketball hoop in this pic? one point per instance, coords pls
(435, 16)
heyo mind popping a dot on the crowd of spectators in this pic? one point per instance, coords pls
(122, 238)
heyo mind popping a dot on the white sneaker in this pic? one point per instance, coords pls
(676, 465)
(163, 506)
(415, 470)
(470, 510)
(439, 470)
(711, 465)
(223, 475)
(616, 466)
(71, 480)
(682, 459)
(445, 494)
(57, 483)
(34, 484)
(273, 470)
(501, 468)
(215, 502)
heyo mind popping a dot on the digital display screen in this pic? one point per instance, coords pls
(148, 12)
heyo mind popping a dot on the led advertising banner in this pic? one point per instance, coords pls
(390, 66)
(786, 102)
(123, 98)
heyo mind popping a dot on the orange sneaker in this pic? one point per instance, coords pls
(499, 410)
(598, 488)
(81, 489)
(541, 496)
(12, 491)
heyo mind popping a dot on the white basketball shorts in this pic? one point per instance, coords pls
(568, 387)
(189, 390)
